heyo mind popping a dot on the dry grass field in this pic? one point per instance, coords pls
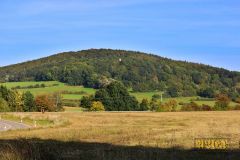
(148, 130)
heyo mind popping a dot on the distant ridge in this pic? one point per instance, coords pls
(140, 71)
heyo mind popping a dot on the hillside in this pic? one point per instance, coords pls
(139, 71)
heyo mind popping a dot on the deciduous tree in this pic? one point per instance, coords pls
(97, 106)
(29, 102)
(115, 97)
(222, 102)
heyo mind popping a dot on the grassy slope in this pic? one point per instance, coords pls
(89, 91)
(51, 89)
(63, 87)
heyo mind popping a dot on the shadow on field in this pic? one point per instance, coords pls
(37, 149)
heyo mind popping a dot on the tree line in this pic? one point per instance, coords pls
(139, 71)
(115, 97)
(15, 101)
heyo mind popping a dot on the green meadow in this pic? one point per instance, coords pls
(52, 87)
(75, 93)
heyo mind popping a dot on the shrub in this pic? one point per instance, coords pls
(173, 103)
(237, 100)
(42, 85)
(169, 106)
(222, 102)
(230, 108)
(30, 86)
(156, 96)
(97, 106)
(74, 92)
(206, 107)
(4, 107)
(237, 107)
(191, 107)
(181, 103)
(154, 105)
(86, 101)
(144, 106)
(207, 93)
(164, 108)
(44, 103)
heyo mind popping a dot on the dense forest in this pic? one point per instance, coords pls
(139, 71)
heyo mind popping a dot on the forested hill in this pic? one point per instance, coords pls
(140, 71)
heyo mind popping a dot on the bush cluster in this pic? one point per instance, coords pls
(114, 97)
(14, 101)
(97, 106)
(30, 87)
(170, 106)
(195, 107)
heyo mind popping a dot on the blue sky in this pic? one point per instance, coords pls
(206, 31)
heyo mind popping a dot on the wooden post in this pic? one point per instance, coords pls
(42, 110)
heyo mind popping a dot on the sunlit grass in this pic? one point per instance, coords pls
(60, 87)
(163, 130)
(73, 109)
(33, 120)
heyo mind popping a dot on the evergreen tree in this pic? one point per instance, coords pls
(86, 101)
(173, 91)
(29, 102)
(144, 106)
(208, 93)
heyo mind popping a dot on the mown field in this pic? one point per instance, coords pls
(79, 91)
(126, 136)
(51, 87)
